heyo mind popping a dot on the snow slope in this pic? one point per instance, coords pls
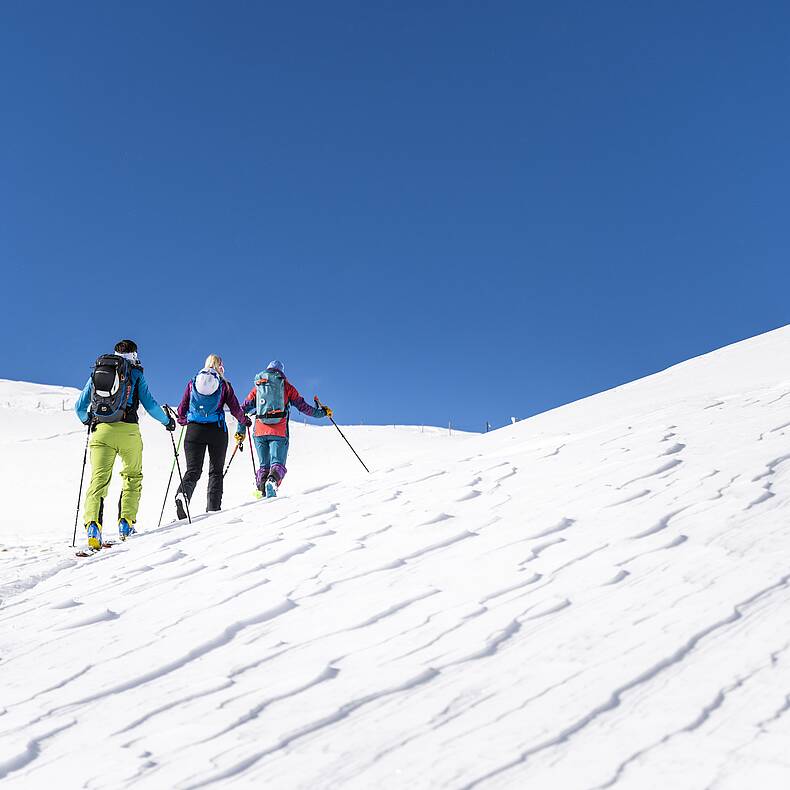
(41, 450)
(592, 598)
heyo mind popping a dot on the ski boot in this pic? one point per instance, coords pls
(271, 488)
(260, 481)
(94, 536)
(125, 529)
(181, 506)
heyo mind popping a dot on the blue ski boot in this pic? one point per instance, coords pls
(94, 535)
(271, 488)
(125, 529)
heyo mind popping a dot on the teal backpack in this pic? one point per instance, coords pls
(270, 405)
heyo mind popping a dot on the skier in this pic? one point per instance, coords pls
(202, 410)
(109, 403)
(271, 399)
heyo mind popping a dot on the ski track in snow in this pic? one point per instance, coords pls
(498, 611)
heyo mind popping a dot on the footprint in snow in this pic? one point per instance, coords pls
(617, 578)
(439, 517)
(631, 498)
(469, 495)
(101, 617)
(316, 489)
(562, 524)
(661, 470)
(324, 511)
(68, 603)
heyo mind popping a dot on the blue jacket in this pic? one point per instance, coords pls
(140, 394)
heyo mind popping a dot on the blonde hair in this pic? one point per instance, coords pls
(215, 361)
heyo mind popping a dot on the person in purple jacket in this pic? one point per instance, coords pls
(202, 410)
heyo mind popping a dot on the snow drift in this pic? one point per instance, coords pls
(595, 597)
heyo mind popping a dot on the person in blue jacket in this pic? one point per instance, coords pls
(120, 438)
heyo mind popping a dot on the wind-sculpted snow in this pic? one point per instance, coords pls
(593, 598)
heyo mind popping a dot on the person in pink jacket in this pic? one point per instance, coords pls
(271, 399)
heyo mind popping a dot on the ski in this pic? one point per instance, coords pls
(88, 552)
(259, 495)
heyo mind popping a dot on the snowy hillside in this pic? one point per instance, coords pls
(41, 449)
(596, 597)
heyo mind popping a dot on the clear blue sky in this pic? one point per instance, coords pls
(428, 210)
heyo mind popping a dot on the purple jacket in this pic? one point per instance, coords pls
(227, 398)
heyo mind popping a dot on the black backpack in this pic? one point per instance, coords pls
(111, 389)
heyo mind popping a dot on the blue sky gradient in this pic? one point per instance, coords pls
(429, 211)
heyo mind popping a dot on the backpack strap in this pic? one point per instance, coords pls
(273, 415)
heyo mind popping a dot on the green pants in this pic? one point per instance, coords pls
(108, 441)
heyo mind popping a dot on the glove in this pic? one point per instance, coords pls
(171, 424)
(239, 437)
(247, 421)
(322, 410)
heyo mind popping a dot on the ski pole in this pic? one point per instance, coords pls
(171, 414)
(82, 480)
(232, 456)
(252, 458)
(321, 406)
(170, 479)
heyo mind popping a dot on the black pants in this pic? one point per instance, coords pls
(199, 437)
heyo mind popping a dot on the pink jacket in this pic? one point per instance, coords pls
(292, 397)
